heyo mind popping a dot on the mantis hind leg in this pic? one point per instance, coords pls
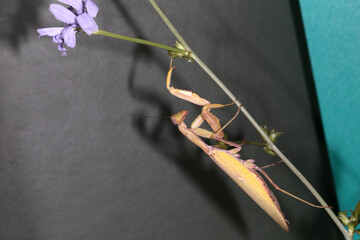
(253, 166)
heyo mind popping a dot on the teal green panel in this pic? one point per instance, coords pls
(332, 30)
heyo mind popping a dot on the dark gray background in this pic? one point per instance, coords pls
(81, 159)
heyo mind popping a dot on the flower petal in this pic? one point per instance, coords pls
(62, 49)
(49, 31)
(62, 14)
(91, 8)
(76, 4)
(60, 41)
(69, 36)
(87, 23)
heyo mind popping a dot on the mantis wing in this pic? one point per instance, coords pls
(252, 183)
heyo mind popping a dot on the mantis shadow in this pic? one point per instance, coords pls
(18, 220)
(18, 18)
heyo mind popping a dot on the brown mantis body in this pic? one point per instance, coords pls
(243, 172)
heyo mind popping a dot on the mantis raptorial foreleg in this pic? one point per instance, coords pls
(205, 115)
(184, 94)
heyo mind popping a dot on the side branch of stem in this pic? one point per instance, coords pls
(141, 41)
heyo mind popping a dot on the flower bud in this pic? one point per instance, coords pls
(187, 55)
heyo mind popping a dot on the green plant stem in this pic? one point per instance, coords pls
(138, 40)
(252, 120)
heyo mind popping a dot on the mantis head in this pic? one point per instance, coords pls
(179, 117)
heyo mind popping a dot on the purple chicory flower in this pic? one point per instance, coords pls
(78, 15)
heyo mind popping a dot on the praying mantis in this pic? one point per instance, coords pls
(244, 172)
